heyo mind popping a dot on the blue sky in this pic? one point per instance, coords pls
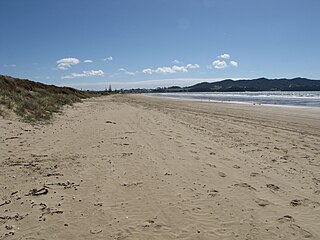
(149, 43)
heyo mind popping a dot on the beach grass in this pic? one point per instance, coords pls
(33, 101)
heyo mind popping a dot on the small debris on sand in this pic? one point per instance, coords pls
(37, 192)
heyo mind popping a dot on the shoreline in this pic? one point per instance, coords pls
(135, 167)
(233, 102)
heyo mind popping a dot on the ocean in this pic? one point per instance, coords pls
(298, 98)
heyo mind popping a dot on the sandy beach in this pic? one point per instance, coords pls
(136, 167)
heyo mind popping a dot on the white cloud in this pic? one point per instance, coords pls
(147, 71)
(88, 61)
(224, 56)
(223, 61)
(218, 64)
(193, 66)
(108, 59)
(234, 63)
(91, 73)
(173, 69)
(179, 69)
(164, 70)
(176, 61)
(66, 63)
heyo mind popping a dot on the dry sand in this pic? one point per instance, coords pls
(134, 167)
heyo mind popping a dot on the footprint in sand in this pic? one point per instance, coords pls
(305, 202)
(286, 218)
(95, 231)
(245, 185)
(225, 232)
(296, 202)
(254, 174)
(211, 165)
(302, 231)
(273, 187)
(262, 202)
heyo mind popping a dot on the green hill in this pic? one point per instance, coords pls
(260, 84)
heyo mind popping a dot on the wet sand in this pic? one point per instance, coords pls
(135, 167)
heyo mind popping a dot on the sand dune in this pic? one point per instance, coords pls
(134, 167)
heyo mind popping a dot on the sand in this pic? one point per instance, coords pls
(134, 167)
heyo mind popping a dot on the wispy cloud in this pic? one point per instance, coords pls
(91, 73)
(223, 61)
(172, 69)
(88, 61)
(108, 59)
(9, 65)
(126, 71)
(66, 63)
(176, 61)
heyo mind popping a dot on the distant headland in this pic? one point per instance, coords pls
(259, 84)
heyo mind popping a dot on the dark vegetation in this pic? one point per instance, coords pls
(260, 84)
(33, 101)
